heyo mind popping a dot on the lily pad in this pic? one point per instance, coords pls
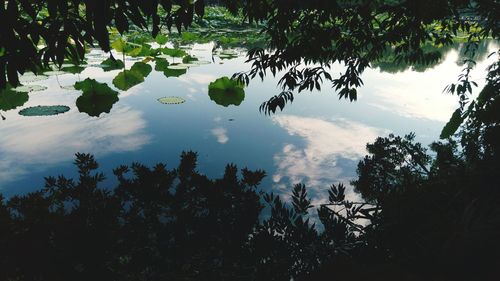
(171, 100)
(44, 110)
(176, 53)
(97, 97)
(201, 62)
(177, 66)
(225, 92)
(143, 68)
(189, 59)
(161, 39)
(30, 88)
(161, 64)
(169, 72)
(10, 99)
(75, 69)
(127, 79)
(111, 64)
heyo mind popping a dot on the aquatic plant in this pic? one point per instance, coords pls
(44, 110)
(171, 100)
(10, 98)
(225, 92)
(96, 98)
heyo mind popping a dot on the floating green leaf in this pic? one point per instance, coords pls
(112, 64)
(189, 59)
(225, 91)
(161, 64)
(171, 100)
(96, 98)
(44, 110)
(10, 99)
(75, 69)
(161, 39)
(169, 72)
(452, 126)
(177, 66)
(127, 79)
(143, 68)
(176, 53)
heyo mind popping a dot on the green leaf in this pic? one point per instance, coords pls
(452, 126)
(127, 79)
(189, 59)
(135, 52)
(44, 110)
(73, 69)
(119, 45)
(96, 98)
(161, 64)
(225, 92)
(176, 53)
(161, 39)
(169, 72)
(143, 68)
(112, 64)
(10, 99)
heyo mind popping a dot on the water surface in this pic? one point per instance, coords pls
(317, 140)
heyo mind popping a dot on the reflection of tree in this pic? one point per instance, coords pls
(433, 217)
(391, 64)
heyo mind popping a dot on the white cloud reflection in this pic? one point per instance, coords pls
(220, 134)
(45, 141)
(319, 163)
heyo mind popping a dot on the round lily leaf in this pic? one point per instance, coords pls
(225, 92)
(161, 64)
(175, 53)
(171, 100)
(169, 72)
(111, 64)
(127, 79)
(201, 62)
(30, 88)
(143, 68)
(189, 59)
(10, 99)
(75, 69)
(96, 98)
(177, 66)
(44, 110)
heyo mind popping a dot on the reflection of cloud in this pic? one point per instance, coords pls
(221, 135)
(328, 147)
(198, 78)
(43, 141)
(419, 94)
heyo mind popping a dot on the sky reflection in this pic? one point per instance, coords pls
(40, 142)
(318, 163)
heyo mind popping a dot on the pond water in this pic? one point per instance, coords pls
(317, 140)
